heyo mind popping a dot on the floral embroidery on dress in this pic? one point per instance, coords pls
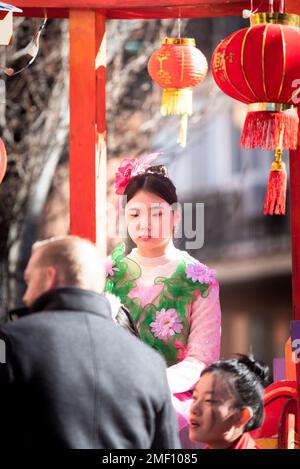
(199, 272)
(166, 324)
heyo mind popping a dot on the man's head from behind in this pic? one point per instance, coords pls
(60, 262)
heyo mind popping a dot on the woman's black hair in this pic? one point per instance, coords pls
(246, 378)
(154, 180)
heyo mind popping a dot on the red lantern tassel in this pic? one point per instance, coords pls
(275, 199)
(269, 130)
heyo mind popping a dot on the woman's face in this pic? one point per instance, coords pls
(150, 220)
(213, 416)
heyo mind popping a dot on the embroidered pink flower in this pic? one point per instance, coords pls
(200, 273)
(182, 349)
(130, 168)
(109, 267)
(166, 324)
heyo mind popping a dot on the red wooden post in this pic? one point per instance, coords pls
(101, 147)
(295, 238)
(87, 125)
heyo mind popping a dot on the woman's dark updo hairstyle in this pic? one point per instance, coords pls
(154, 179)
(246, 378)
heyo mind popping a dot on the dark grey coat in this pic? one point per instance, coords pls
(73, 379)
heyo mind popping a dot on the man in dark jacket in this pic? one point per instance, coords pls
(72, 378)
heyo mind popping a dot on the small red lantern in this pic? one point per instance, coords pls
(177, 67)
(260, 66)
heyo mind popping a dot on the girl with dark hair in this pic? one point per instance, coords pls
(173, 299)
(228, 403)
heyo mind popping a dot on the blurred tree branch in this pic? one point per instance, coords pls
(35, 119)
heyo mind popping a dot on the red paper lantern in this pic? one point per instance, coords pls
(177, 67)
(260, 66)
(3, 160)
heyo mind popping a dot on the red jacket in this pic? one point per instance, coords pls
(245, 441)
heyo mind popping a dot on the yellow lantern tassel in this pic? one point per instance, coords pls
(178, 101)
(183, 130)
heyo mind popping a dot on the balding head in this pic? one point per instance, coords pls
(63, 261)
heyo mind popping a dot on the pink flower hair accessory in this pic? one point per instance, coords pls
(129, 168)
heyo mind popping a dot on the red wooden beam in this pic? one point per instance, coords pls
(39, 13)
(144, 4)
(205, 10)
(138, 9)
(149, 13)
(160, 9)
(87, 124)
(125, 4)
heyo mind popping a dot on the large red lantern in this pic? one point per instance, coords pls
(260, 66)
(177, 67)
